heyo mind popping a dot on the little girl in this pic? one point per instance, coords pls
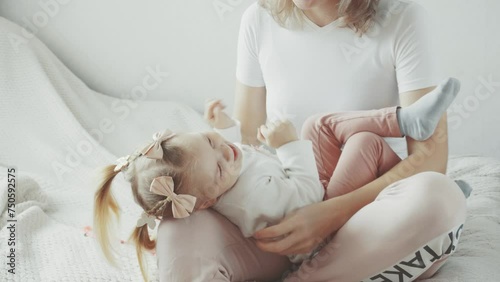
(179, 173)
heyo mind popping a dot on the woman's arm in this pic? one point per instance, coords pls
(302, 230)
(250, 110)
(435, 149)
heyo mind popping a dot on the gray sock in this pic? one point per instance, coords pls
(419, 120)
(465, 187)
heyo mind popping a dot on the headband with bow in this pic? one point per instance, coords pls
(182, 204)
(154, 150)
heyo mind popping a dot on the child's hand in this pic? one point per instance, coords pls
(215, 115)
(276, 134)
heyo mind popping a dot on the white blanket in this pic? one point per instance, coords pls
(478, 255)
(49, 124)
(48, 121)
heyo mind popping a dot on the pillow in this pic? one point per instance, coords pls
(132, 124)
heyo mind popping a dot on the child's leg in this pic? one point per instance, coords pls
(417, 121)
(330, 132)
(365, 157)
(408, 231)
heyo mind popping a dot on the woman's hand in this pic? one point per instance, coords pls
(215, 115)
(277, 134)
(301, 231)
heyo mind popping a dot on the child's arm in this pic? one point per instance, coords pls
(298, 182)
(221, 122)
(300, 179)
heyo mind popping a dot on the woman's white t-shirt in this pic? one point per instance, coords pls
(329, 69)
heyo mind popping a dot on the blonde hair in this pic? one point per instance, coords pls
(140, 173)
(355, 14)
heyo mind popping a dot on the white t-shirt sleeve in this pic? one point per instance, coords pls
(415, 61)
(248, 70)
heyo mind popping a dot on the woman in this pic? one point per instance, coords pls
(303, 57)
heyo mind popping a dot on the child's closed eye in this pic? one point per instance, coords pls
(210, 142)
(220, 170)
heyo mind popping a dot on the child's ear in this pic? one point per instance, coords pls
(208, 204)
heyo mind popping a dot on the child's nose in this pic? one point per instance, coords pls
(226, 152)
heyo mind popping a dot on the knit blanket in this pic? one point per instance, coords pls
(477, 257)
(55, 134)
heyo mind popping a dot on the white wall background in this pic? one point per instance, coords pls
(111, 44)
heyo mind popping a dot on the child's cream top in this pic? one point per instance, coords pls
(270, 185)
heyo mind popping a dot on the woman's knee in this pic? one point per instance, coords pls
(451, 197)
(436, 200)
(438, 186)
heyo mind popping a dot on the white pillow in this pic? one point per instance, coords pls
(135, 122)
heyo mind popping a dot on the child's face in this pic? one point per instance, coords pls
(217, 162)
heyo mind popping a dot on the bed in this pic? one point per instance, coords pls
(56, 133)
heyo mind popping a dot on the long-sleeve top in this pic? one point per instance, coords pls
(270, 185)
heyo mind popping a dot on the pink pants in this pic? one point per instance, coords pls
(407, 232)
(349, 149)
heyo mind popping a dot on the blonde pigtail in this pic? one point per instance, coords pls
(104, 208)
(161, 161)
(141, 239)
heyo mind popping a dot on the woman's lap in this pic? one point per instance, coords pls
(410, 220)
(208, 247)
(405, 217)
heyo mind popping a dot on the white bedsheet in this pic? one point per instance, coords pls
(48, 119)
(44, 135)
(478, 255)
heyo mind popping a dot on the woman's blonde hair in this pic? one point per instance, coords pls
(140, 173)
(355, 14)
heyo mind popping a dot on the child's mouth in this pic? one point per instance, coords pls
(235, 152)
